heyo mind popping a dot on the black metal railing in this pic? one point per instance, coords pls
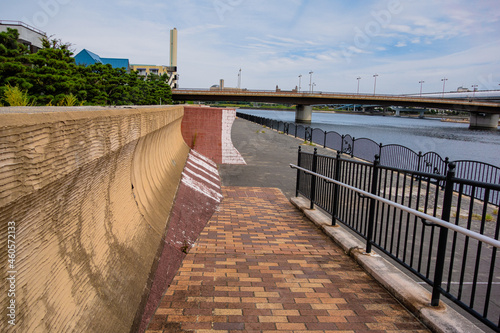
(391, 155)
(424, 221)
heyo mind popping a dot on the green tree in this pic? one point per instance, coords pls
(13, 62)
(52, 73)
(51, 77)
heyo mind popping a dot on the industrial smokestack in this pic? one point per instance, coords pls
(173, 47)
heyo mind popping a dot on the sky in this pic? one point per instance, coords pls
(275, 41)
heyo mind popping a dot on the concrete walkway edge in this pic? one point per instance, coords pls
(413, 296)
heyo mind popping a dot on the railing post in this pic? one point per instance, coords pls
(380, 150)
(324, 140)
(336, 189)
(298, 172)
(313, 178)
(443, 235)
(352, 147)
(371, 214)
(419, 160)
(342, 143)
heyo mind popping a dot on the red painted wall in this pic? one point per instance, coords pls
(208, 130)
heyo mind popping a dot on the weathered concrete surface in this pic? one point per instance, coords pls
(414, 297)
(90, 192)
(197, 199)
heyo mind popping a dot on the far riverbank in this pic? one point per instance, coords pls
(449, 139)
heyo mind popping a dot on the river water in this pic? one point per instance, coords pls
(453, 140)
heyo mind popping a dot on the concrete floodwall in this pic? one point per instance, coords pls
(85, 198)
(208, 130)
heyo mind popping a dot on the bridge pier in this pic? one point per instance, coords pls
(303, 113)
(483, 121)
(421, 114)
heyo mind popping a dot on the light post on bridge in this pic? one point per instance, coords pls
(444, 83)
(474, 87)
(239, 79)
(310, 81)
(375, 83)
(421, 83)
(300, 77)
(313, 85)
(357, 92)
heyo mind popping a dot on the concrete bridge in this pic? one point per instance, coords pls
(483, 114)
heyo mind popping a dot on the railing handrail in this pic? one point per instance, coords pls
(435, 220)
(22, 24)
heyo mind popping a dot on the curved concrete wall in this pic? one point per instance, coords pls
(90, 192)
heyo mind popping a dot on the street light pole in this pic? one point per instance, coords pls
(375, 83)
(421, 83)
(239, 79)
(358, 78)
(300, 77)
(444, 83)
(474, 87)
(313, 85)
(310, 81)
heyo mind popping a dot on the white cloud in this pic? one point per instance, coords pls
(275, 41)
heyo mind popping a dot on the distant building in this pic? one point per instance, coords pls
(222, 87)
(158, 70)
(463, 89)
(86, 58)
(28, 35)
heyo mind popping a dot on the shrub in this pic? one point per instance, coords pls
(16, 97)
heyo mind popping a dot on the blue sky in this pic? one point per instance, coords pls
(273, 42)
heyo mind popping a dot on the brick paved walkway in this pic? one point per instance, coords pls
(259, 265)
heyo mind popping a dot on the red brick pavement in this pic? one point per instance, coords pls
(259, 266)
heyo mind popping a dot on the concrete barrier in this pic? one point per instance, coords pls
(90, 193)
(208, 130)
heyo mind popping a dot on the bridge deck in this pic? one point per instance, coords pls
(333, 98)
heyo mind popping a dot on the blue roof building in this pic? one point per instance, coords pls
(86, 58)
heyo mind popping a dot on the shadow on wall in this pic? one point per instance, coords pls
(91, 191)
(86, 235)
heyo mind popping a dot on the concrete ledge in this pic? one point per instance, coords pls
(412, 295)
